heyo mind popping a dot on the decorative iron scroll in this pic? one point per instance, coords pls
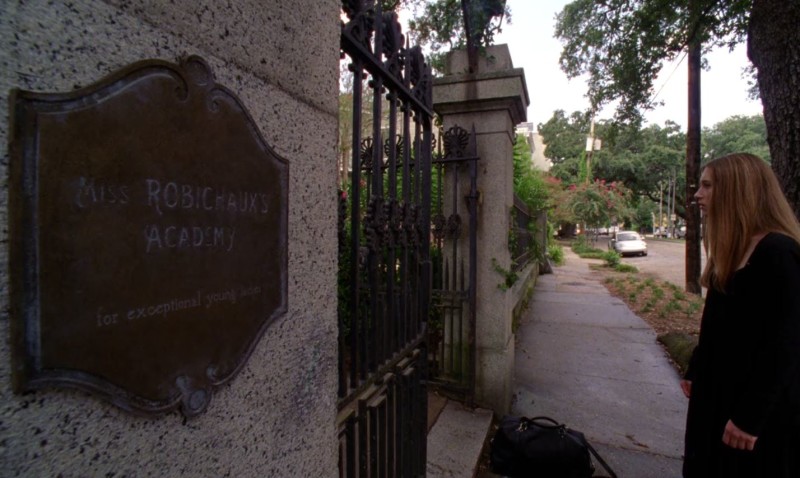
(456, 142)
(397, 145)
(366, 154)
(404, 69)
(148, 249)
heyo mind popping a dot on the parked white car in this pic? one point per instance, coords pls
(628, 243)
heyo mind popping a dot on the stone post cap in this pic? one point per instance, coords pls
(494, 58)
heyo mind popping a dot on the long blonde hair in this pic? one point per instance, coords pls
(746, 200)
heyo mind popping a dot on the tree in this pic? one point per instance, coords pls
(638, 158)
(736, 134)
(565, 136)
(439, 25)
(566, 142)
(622, 45)
(645, 160)
(648, 161)
(529, 184)
(597, 203)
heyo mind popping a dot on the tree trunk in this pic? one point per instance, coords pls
(773, 45)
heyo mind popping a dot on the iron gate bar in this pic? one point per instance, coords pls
(375, 199)
(472, 203)
(522, 219)
(455, 233)
(382, 406)
(376, 425)
(362, 439)
(391, 429)
(391, 215)
(355, 221)
(350, 445)
(404, 266)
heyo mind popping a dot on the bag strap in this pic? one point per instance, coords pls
(600, 460)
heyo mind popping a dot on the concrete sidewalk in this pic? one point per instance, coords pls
(584, 359)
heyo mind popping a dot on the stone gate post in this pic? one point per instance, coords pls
(493, 99)
(276, 416)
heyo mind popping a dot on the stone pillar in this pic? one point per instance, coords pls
(276, 417)
(494, 100)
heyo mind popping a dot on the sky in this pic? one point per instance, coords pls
(533, 48)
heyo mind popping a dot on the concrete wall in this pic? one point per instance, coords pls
(276, 418)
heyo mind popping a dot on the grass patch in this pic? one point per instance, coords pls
(598, 254)
(679, 345)
(622, 267)
(581, 247)
(556, 253)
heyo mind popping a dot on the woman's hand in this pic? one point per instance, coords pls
(686, 386)
(735, 437)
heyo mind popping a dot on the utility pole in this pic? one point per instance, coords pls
(669, 206)
(693, 153)
(672, 216)
(660, 208)
(590, 147)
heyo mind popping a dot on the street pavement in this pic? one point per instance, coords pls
(584, 359)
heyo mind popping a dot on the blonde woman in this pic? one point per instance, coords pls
(743, 381)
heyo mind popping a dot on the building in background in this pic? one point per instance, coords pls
(536, 143)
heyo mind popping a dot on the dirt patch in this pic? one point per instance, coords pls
(663, 305)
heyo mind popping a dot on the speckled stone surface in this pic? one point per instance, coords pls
(269, 39)
(493, 102)
(276, 417)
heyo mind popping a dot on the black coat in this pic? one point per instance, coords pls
(746, 368)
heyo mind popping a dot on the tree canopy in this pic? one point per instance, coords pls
(646, 159)
(737, 134)
(598, 203)
(439, 24)
(623, 44)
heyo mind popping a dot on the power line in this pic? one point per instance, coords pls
(669, 77)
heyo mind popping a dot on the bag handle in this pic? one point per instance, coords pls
(525, 422)
(538, 420)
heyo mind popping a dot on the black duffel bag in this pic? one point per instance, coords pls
(540, 447)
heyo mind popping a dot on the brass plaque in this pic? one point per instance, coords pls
(148, 227)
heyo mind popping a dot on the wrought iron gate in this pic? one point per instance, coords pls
(384, 264)
(454, 255)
